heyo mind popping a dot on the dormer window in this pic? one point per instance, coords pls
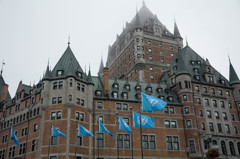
(59, 73)
(99, 93)
(222, 82)
(115, 86)
(138, 87)
(199, 63)
(210, 79)
(170, 99)
(161, 97)
(127, 87)
(125, 95)
(115, 94)
(79, 74)
(159, 90)
(175, 68)
(195, 70)
(149, 89)
(192, 62)
(208, 69)
(197, 77)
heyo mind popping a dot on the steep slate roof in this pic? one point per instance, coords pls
(2, 82)
(188, 55)
(233, 77)
(176, 31)
(68, 64)
(101, 67)
(132, 92)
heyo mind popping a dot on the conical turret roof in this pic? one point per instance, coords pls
(176, 31)
(233, 77)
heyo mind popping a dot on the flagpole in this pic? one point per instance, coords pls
(76, 138)
(139, 95)
(8, 139)
(98, 136)
(117, 135)
(49, 140)
(132, 131)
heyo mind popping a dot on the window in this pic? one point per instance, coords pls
(173, 124)
(217, 115)
(54, 100)
(149, 142)
(197, 88)
(78, 139)
(172, 143)
(100, 140)
(162, 60)
(35, 127)
(198, 100)
(99, 93)
(82, 88)
(24, 131)
(99, 105)
(149, 42)
(167, 123)
(78, 86)
(192, 146)
(60, 84)
(230, 105)
(206, 102)
(118, 106)
(184, 98)
(232, 116)
(200, 113)
(53, 116)
(160, 45)
(2, 154)
(222, 104)
(71, 82)
(78, 101)
(125, 95)
(59, 115)
(171, 47)
(82, 102)
(149, 50)
(151, 69)
(203, 126)
(232, 149)
(115, 95)
(214, 103)
(11, 152)
(186, 110)
(224, 115)
(220, 92)
(123, 141)
(22, 148)
(235, 129)
(224, 149)
(210, 79)
(54, 85)
(70, 98)
(171, 110)
(189, 123)
(212, 90)
(150, 58)
(219, 127)
(125, 107)
(33, 145)
(81, 117)
(100, 118)
(161, 52)
(54, 140)
(172, 54)
(204, 89)
(227, 128)
(211, 127)
(53, 157)
(228, 93)
(152, 77)
(209, 114)
(59, 99)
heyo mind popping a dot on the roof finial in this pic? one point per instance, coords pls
(3, 63)
(68, 39)
(136, 8)
(143, 3)
(186, 41)
(229, 58)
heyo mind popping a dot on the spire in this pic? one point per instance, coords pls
(68, 39)
(137, 23)
(233, 77)
(3, 63)
(47, 74)
(89, 78)
(176, 31)
(100, 72)
(186, 42)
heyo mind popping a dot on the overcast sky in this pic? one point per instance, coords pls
(33, 31)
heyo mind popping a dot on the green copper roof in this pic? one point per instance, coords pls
(180, 66)
(166, 93)
(233, 77)
(195, 66)
(2, 82)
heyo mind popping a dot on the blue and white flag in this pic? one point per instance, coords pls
(102, 128)
(124, 126)
(13, 135)
(56, 132)
(147, 122)
(150, 103)
(83, 131)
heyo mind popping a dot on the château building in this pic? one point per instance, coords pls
(202, 109)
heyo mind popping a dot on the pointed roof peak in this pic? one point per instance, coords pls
(68, 39)
(101, 67)
(181, 67)
(176, 31)
(233, 77)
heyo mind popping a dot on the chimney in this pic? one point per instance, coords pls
(106, 83)
(4, 92)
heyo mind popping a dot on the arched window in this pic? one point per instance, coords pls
(223, 146)
(232, 149)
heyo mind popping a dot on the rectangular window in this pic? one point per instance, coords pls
(59, 115)
(189, 123)
(33, 145)
(198, 100)
(173, 124)
(123, 141)
(78, 139)
(54, 100)
(197, 88)
(167, 123)
(224, 115)
(54, 85)
(100, 140)
(209, 115)
(81, 117)
(125, 107)
(200, 113)
(203, 126)
(53, 157)
(211, 127)
(149, 142)
(227, 128)
(118, 106)
(59, 99)
(54, 140)
(214, 103)
(184, 98)
(35, 127)
(222, 104)
(172, 143)
(206, 102)
(78, 101)
(53, 116)
(171, 110)
(82, 102)
(192, 146)
(217, 115)
(186, 110)
(219, 127)
(83, 88)
(166, 111)
(99, 105)
(60, 84)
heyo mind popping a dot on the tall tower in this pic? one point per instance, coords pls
(144, 50)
